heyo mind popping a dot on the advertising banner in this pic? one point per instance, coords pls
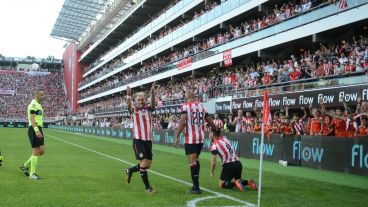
(173, 109)
(17, 124)
(184, 63)
(333, 96)
(223, 107)
(347, 155)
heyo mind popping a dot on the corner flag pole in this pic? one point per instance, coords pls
(260, 166)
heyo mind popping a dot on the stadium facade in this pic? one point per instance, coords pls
(137, 38)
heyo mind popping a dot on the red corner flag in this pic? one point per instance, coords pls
(266, 119)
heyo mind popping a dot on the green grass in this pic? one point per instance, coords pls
(77, 177)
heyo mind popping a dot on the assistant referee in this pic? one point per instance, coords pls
(35, 135)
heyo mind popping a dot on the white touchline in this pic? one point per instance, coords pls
(247, 204)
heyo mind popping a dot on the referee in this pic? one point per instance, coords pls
(35, 135)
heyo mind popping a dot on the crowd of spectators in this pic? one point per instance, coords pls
(341, 121)
(14, 106)
(151, 18)
(330, 59)
(157, 64)
(102, 105)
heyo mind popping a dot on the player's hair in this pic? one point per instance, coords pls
(216, 132)
(37, 91)
(139, 94)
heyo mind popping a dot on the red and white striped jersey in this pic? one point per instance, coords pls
(223, 148)
(343, 4)
(218, 123)
(248, 124)
(299, 127)
(142, 123)
(195, 127)
(240, 124)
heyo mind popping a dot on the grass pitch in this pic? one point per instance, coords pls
(86, 170)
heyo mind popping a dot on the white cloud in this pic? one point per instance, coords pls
(26, 26)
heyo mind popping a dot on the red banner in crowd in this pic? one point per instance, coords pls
(227, 58)
(184, 63)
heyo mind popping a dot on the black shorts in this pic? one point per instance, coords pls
(193, 149)
(33, 139)
(142, 149)
(231, 170)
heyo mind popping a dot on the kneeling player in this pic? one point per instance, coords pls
(231, 166)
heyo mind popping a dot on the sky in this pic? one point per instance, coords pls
(26, 26)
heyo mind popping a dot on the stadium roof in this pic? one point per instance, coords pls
(76, 16)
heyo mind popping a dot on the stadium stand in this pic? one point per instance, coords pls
(17, 90)
(330, 60)
(158, 50)
(233, 32)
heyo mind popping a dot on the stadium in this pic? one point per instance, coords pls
(277, 86)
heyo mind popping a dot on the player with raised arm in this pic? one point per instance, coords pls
(193, 118)
(142, 128)
(231, 166)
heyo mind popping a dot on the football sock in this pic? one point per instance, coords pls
(135, 168)
(228, 185)
(28, 162)
(34, 160)
(199, 166)
(144, 176)
(194, 171)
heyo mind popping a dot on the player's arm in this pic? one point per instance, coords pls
(323, 106)
(257, 112)
(182, 124)
(34, 125)
(359, 104)
(305, 115)
(287, 111)
(152, 97)
(129, 99)
(213, 164)
(347, 109)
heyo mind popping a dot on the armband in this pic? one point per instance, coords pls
(36, 129)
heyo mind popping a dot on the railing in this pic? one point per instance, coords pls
(294, 86)
(311, 15)
(87, 35)
(143, 32)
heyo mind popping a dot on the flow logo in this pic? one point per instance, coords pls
(113, 133)
(206, 143)
(127, 134)
(169, 138)
(121, 134)
(357, 154)
(156, 137)
(307, 154)
(267, 149)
